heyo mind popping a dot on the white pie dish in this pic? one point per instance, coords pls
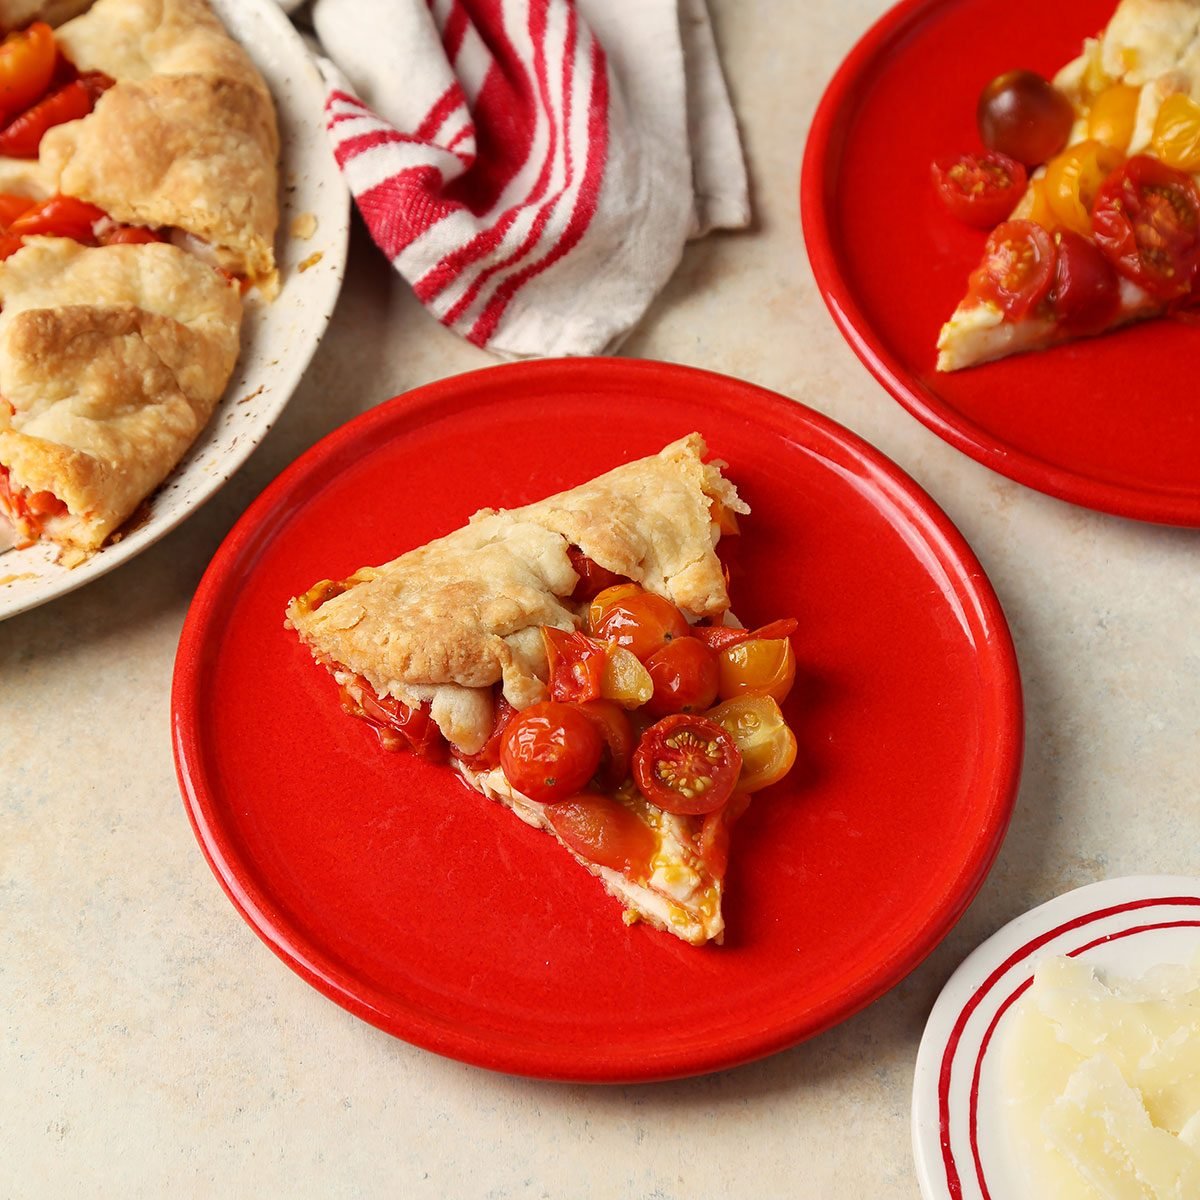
(1125, 925)
(278, 338)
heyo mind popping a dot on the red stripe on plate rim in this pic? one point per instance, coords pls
(953, 1179)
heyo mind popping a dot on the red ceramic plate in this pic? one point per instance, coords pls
(438, 916)
(1109, 422)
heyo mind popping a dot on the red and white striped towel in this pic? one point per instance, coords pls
(533, 167)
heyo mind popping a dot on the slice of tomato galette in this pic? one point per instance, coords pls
(138, 177)
(575, 660)
(1107, 229)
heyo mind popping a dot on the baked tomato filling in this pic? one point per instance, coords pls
(649, 721)
(27, 511)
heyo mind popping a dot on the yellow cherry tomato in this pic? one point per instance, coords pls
(759, 667)
(767, 745)
(1035, 206)
(1074, 177)
(1176, 138)
(1113, 115)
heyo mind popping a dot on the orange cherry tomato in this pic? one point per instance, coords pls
(616, 731)
(686, 764)
(641, 623)
(1113, 115)
(1176, 137)
(758, 667)
(1072, 180)
(27, 60)
(713, 841)
(980, 189)
(684, 673)
(549, 751)
(721, 637)
(593, 578)
(576, 665)
(60, 216)
(130, 235)
(1147, 224)
(1017, 269)
(762, 736)
(603, 831)
(22, 136)
(603, 600)
(397, 726)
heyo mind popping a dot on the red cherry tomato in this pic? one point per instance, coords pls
(614, 727)
(130, 235)
(721, 637)
(593, 578)
(61, 216)
(10, 243)
(605, 832)
(576, 665)
(1146, 221)
(713, 842)
(684, 673)
(22, 136)
(686, 764)
(1018, 268)
(11, 207)
(1024, 116)
(397, 725)
(980, 189)
(549, 751)
(27, 63)
(642, 623)
(489, 756)
(1086, 291)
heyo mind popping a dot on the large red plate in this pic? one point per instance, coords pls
(1111, 422)
(434, 913)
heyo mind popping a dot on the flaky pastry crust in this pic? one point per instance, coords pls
(464, 611)
(112, 359)
(186, 138)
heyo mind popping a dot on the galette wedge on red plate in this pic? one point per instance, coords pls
(1091, 182)
(577, 661)
(138, 181)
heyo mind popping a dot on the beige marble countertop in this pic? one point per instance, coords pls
(151, 1045)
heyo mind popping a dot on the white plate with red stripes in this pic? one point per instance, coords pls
(1123, 925)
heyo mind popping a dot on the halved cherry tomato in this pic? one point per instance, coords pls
(641, 623)
(686, 764)
(60, 216)
(605, 832)
(593, 578)
(1146, 221)
(1018, 268)
(576, 665)
(758, 667)
(549, 751)
(1072, 180)
(1113, 115)
(713, 841)
(11, 207)
(616, 731)
(685, 677)
(762, 736)
(397, 725)
(1176, 137)
(980, 189)
(129, 235)
(26, 67)
(22, 136)
(721, 637)
(489, 756)
(1086, 292)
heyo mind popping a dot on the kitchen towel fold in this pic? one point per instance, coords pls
(533, 168)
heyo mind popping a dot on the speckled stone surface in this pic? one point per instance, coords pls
(151, 1045)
